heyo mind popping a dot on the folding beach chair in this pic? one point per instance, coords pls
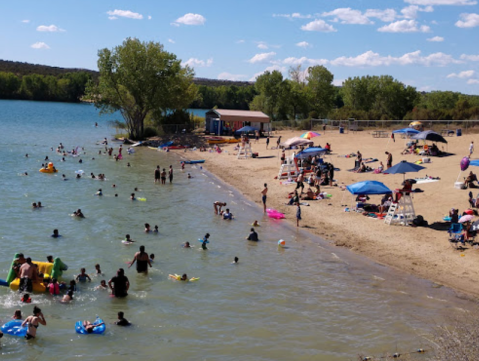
(455, 235)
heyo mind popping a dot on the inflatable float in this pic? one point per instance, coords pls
(96, 331)
(273, 213)
(14, 328)
(193, 161)
(50, 169)
(178, 278)
(49, 270)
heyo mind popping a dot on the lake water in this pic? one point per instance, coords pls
(309, 301)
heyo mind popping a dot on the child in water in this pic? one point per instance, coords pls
(26, 298)
(98, 270)
(156, 229)
(17, 315)
(102, 286)
(152, 258)
(82, 277)
(147, 228)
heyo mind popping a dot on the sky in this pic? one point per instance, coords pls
(428, 44)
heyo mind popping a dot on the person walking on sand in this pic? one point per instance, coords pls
(278, 141)
(264, 196)
(157, 174)
(389, 161)
(471, 148)
(267, 142)
(298, 214)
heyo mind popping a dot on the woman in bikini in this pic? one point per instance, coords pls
(33, 322)
(142, 261)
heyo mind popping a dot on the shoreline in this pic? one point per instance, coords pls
(421, 252)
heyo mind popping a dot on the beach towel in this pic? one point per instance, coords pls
(370, 160)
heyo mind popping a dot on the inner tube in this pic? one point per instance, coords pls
(14, 328)
(96, 331)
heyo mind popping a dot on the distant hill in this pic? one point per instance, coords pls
(21, 69)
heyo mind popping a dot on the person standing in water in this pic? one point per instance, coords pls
(163, 176)
(142, 261)
(264, 196)
(121, 284)
(170, 174)
(157, 174)
(33, 322)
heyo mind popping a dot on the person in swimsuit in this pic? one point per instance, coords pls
(26, 276)
(218, 205)
(89, 327)
(163, 176)
(187, 245)
(170, 173)
(33, 322)
(82, 277)
(122, 321)
(102, 285)
(157, 174)
(17, 315)
(205, 241)
(121, 284)
(132, 197)
(142, 261)
(264, 196)
(147, 228)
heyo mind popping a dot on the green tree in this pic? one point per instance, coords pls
(320, 89)
(268, 85)
(141, 78)
(9, 85)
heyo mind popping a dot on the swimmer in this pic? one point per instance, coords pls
(253, 236)
(132, 197)
(227, 215)
(184, 277)
(235, 261)
(89, 327)
(98, 270)
(82, 277)
(68, 297)
(78, 176)
(34, 205)
(73, 286)
(187, 245)
(255, 224)
(142, 261)
(33, 322)
(26, 298)
(136, 189)
(64, 177)
(152, 257)
(122, 321)
(128, 239)
(128, 165)
(54, 287)
(17, 315)
(99, 193)
(50, 259)
(80, 161)
(46, 158)
(113, 186)
(63, 159)
(40, 205)
(116, 194)
(92, 176)
(147, 228)
(25, 173)
(218, 205)
(205, 241)
(156, 229)
(189, 176)
(26, 155)
(102, 286)
(78, 213)
(55, 234)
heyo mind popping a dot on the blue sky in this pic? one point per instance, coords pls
(429, 44)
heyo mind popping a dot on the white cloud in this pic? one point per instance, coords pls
(468, 21)
(410, 12)
(436, 39)
(241, 41)
(228, 76)
(371, 58)
(149, 17)
(387, 15)
(262, 45)
(123, 14)
(304, 44)
(348, 16)
(470, 57)
(462, 75)
(272, 68)
(25, 21)
(194, 62)
(338, 82)
(304, 60)
(262, 58)
(191, 19)
(318, 25)
(404, 26)
(441, 2)
(473, 81)
(171, 41)
(293, 16)
(50, 28)
(40, 45)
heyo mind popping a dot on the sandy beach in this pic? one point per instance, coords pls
(424, 252)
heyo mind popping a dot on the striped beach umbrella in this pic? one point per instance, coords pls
(309, 135)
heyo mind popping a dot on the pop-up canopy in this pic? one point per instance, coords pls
(311, 152)
(368, 188)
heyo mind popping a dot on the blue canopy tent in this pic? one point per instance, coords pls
(368, 188)
(246, 129)
(406, 131)
(314, 151)
(475, 162)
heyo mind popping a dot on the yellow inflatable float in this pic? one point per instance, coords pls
(50, 169)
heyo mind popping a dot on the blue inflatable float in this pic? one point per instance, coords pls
(14, 328)
(96, 331)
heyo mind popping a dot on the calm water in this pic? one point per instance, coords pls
(307, 302)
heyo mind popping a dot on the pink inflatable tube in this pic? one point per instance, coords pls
(273, 213)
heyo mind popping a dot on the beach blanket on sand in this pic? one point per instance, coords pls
(370, 160)
(355, 169)
(425, 180)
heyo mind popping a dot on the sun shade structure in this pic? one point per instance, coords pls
(309, 135)
(221, 121)
(474, 163)
(404, 167)
(246, 129)
(311, 152)
(406, 131)
(430, 135)
(296, 142)
(368, 188)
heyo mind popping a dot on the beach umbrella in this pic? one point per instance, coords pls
(296, 141)
(309, 135)
(466, 218)
(416, 125)
(246, 129)
(368, 188)
(406, 131)
(311, 152)
(465, 163)
(403, 167)
(430, 135)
